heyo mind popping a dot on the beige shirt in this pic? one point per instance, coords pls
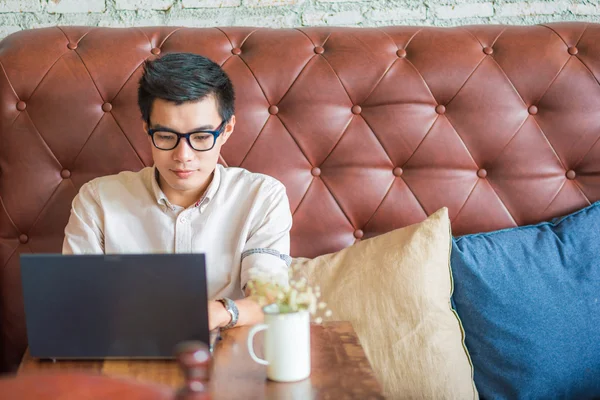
(242, 224)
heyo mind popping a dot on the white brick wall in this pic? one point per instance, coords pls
(210, 3)
(585, 9)
(391, 14)
(76, 6)
(26, 14)
(532, 8)
(143, 4)
(344, 18)
(20, 5)
(275, 3)
(468, 10)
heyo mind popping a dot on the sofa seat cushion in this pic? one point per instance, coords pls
(529, 300)
(395, 289)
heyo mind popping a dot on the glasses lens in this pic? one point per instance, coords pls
(202, 141)
(165, 140)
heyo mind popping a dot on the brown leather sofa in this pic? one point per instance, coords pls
(369, 129)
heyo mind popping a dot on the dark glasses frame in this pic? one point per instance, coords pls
(187, 136)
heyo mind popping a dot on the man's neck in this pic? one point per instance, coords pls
(184, 198)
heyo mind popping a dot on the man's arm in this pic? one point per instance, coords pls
(83, 233)
(266, 254)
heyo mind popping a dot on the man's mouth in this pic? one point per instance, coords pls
(183, 173)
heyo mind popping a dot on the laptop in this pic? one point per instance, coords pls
(113, 306)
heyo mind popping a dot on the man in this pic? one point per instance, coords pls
(186, 202)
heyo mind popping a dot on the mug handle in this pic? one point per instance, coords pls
(255, 329)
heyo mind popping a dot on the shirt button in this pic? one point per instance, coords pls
(183, 220)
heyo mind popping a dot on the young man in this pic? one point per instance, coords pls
(186, 202)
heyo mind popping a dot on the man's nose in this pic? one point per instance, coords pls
(183, 151)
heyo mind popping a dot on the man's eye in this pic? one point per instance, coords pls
(165, 137)
(201, 138)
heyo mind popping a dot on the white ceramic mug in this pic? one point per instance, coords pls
(286, 345)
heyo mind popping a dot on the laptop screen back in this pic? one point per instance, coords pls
(113, 306)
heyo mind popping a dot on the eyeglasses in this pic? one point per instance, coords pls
(201, 140)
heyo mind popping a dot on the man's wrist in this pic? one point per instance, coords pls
(230, 317)
(224, 316)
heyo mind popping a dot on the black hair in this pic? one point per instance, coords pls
(185, 77)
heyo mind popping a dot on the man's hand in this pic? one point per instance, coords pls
(218, 316)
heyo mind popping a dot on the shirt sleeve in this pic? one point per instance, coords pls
(266, 253)
(83, 233)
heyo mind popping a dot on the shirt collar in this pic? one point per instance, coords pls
(211, 191)
(156, 190)
(208, 195)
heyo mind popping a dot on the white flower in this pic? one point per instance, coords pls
(292, 296)
(301, 284)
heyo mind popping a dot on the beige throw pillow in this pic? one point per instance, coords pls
(395, 289)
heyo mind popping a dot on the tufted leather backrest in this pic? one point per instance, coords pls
(369, 129)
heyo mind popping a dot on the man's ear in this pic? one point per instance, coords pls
(145, 128)
(228, 130)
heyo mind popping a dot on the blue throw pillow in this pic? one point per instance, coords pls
(529, 302)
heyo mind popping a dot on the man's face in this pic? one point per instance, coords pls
(184, 170)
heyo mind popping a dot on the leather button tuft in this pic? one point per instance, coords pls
(532, 110)
(316, 171)
(571, 174)
(319, 50)
(106, 107)
(236, 50)
(397, 171)
(23, 238)
(356, 109)
(440, 109)
(482, 173)
(72, 46)
(401, 53)
(65, 173)
(21, 106)
(488, 50)
(358, 234)
(155, 51)
(273, 110)
(573, 50)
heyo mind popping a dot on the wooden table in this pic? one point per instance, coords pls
(339, 368)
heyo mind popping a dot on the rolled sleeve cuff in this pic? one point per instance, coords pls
(265, 264)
